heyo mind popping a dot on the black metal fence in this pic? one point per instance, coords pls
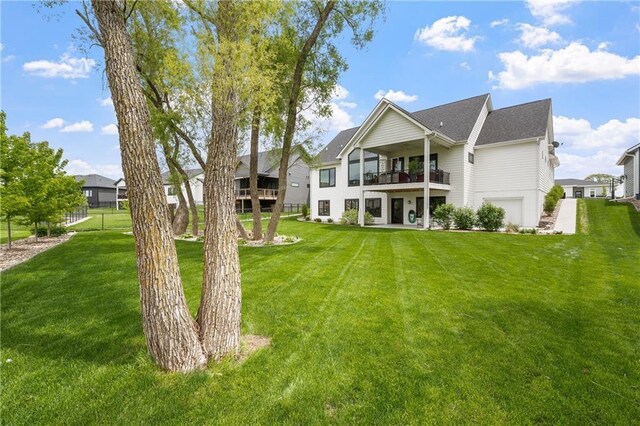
(286, 208)
(76, 215)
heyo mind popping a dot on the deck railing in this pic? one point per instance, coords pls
(406, 176)
(263, 193)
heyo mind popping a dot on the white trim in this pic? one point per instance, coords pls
(514, 142)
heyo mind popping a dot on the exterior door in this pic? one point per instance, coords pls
(397, 210)
(577, 193)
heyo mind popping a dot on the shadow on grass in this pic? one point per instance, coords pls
(48, 310)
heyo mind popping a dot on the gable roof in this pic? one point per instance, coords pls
(96, 181)
(524, 121)
(457, 118)
(627, 154)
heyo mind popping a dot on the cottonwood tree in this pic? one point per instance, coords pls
(314, 65)
(600, 177)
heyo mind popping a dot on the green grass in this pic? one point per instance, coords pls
(369, 326)
(18, 232)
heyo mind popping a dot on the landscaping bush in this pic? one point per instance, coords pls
(512, 228)
(551, 199)
(124, 204)
(443, 215)
(305, 211)
(349, 217)
(368, 218)
(317, 219)
(490, 217)
(532, 231)
(307, 218)
(329, 220)
(55, 231)
(464, 218)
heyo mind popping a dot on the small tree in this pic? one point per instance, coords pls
(305, 211)
(490, 217)
(443, 215)
(464, 218)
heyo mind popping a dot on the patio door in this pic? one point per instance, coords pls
(397, 206)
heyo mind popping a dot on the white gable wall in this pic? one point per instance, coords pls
(391, 127)
(467, 167)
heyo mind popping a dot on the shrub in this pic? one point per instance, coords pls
(490, 217)
(55, 231)
(551, 199)
(305, 211)
(307, 218)
(443, 215)
(317, 219)
(329, 220)
(124, 204)
(512, 227)
(349, 217)
(532, 231)
(368, 218)
(464, 218)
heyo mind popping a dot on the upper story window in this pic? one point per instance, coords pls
(371, 166)
(327, 177)
(471, 157)
(88, 192)
(171, 190)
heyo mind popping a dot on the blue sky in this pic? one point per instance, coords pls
(583, 55)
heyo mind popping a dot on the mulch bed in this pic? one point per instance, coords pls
(24, 249)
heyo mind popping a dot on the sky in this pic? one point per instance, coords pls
(583, 55)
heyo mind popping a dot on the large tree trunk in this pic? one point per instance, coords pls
(219, 313)
(9, 232)
(253, 176)
(292, 115)
(181, 217)
(171, 333)
(192, 203)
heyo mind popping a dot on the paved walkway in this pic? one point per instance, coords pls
(566, 221)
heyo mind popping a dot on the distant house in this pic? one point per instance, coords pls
(630, 160)
(100, 190)
(579, 188)
(400, 165)
(268, 167)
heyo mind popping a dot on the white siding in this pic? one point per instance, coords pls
(391, 127)
(468, 168)
(449, 160)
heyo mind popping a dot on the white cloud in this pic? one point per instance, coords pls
(67, 67)
(339, 120)
(551, 12)
(499, 22)
(604, 45)
(105, 101)
(340, 92)
(395, 96)
(350, 105)
(8, 58)
(447, 34)
(465, 66)
(53, 123)
(110, 129)
(81, 126)
(579, 165)
(579, 133)
(572, 64)
(81, 167)
(535, 37)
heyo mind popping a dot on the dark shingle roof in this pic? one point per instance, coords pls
(457, 120)
(96, 181)
(577, 182)
(516, 122)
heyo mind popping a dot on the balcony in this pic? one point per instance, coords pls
(398, 177)
(263, 194)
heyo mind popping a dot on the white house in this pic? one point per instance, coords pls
(630, 160)
(463, 153)
(580, 188)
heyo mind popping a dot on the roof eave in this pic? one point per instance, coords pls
(512, 142)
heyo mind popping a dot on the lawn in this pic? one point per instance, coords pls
(17, 231)
(369, 326)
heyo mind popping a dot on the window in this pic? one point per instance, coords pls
(88, 192)
(419, 207)
(371, 167)
(373, 206)
(324, 208)
(592, 192)
(327, 177)
(433, 161)
(471, 157)
(351, 204)
(416, 163)
(295, 184)
(171, 190)
(397, 164)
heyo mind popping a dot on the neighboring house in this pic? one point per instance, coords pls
(121, 192)
(268, 168)
(630, 160)
(579, 188)
(400, 165)
(99, 190)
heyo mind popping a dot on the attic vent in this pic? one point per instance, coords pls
(441, 124)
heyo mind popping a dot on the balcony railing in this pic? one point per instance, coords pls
(396, 177)
(263, 193)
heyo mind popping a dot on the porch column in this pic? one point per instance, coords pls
(427, 173)
(117, 204)
(361, 200)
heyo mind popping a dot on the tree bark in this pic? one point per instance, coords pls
(219, 312)
(181, 217)
(292, 116)
(253, 175)
(170, 332)
(9, 232)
